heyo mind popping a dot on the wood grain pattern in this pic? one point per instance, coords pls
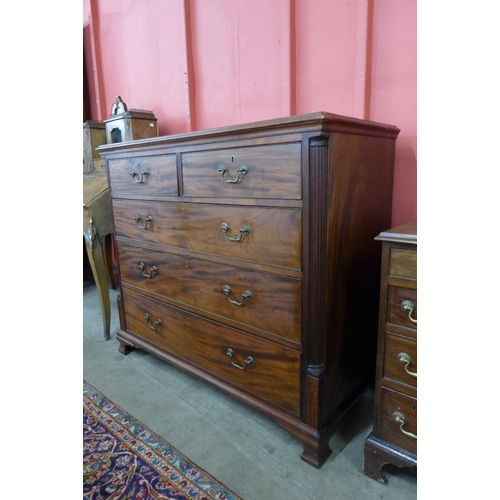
(298, 124)
(395, 314)
(142, 129)
(97, 224)
(274, 171)
(395, 389)
(315, 244)
(378, 453)
(403, 263)
(318, 191)
(393, 369)
(161, 178)
(405, 233)
(275, 303)
(274, 238)
(390, 431)
(274, 375)
(360, 201)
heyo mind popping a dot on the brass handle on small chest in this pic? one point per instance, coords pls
(248, 362)
(152, 270)
(243, 170)
(247, 295)
(408, 306)
(154, 325)
(148, 219)
(244, 231)
(400, 419)
(406, 360)
(143, 176)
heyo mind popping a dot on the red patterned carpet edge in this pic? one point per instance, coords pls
(123, 459)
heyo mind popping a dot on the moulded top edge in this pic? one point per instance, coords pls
(405, 233)
(307, 122)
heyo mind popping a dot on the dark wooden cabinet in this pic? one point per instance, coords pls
(394, 436)
(247, 258)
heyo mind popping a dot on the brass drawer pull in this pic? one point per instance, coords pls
(244, 296)
(152, 270)
(406, 360)
(400, 419)
(156, 324)
(144, 175)
(137, 218)
(243, 170)
(248, 361)
(407, 306)
(244, 231)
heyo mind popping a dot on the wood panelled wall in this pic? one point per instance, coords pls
(199, 64)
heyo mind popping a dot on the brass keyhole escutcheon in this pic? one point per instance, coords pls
(182, 211)
(186, 264)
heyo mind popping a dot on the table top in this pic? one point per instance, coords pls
(405, 233)
(93, 186)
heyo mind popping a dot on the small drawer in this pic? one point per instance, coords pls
(400, 360)
(403, 263)
(265, 301)
(402, 307)
(267, 171)
(264, 235)
(398, 423)
(263, 368)
(145, 175)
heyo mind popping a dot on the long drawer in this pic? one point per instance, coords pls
(264, 171)
(273, 304)
(263, 368)
(399, 416)
(265, 235)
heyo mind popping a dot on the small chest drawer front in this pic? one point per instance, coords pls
(265, 235)
(147, 175)
(273, 303)
(400, 360)
(268, 171)
(402, 307)
(403, 263)
(262, 368)
(398, 423)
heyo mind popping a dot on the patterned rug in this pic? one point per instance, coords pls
(122, 459)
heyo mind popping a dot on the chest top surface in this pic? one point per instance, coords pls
(311, 122)
(405, 233)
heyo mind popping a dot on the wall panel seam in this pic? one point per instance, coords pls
(96, 60)
(362, 84)
(189, 84)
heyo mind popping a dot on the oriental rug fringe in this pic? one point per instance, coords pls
(123, 459)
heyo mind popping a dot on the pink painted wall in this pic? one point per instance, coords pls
(200, 64)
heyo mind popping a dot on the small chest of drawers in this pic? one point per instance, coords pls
(247, 258)
(394, 436)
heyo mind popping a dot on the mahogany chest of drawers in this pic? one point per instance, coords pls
(394, 436)
(247, 258)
